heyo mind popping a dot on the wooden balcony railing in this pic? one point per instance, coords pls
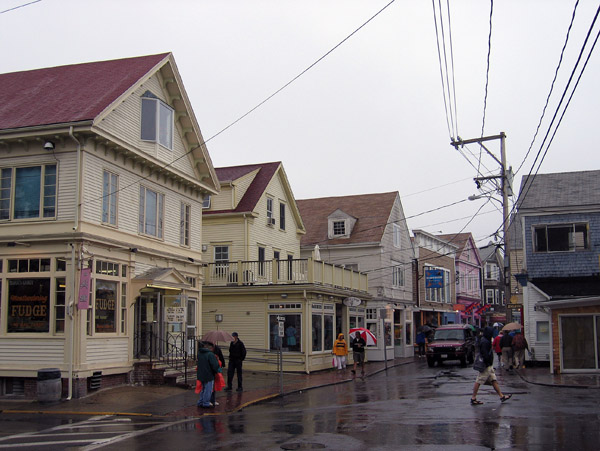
(283, 272)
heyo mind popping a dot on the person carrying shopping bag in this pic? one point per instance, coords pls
(340, 351)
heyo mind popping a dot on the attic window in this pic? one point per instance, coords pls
(157, 121)
(339, 228)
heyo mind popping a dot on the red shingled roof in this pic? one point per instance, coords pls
(372, 212)
(67, 94)
(256, 188)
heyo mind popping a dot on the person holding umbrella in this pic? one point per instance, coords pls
(358, 344)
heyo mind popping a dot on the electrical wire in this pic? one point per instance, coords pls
(20, 6)
(335, 47)
(487, 75)
(562, 52)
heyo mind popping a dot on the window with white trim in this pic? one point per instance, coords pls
(157, 121)
(492, 272)
(339, 228)
(442, 294)
(28, 192)
(270, 218)
(282, 216)
(489, 296)
(151, 215)
(561, 237)
(397, 232)
(397, 274)
(184, 224)
(206, 202)
(110, 188)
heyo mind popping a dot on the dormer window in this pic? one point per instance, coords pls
(157, 121)
(206, 202)
(339, 228)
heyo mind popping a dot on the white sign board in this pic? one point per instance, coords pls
(175, 314)
(280, 329)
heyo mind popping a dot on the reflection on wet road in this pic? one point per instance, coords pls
(411, 406)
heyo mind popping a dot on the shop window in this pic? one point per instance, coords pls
(59, 305)
(123, 307)
(28, 308)
(61, 264)
(292, 327)
(317, 332)
(107, 268)
(105, 306)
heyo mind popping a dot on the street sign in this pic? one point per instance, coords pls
(514, 306)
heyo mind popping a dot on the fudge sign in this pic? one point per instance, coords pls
(28, 305)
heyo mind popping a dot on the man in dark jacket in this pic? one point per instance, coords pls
(237, 354)
(487, 376)
(358, 344)
(208, 366)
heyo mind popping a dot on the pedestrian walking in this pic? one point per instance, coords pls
(219, 383)
(237, 354)
(507, 351)
(208, 366)
(487, 375)
(340, 351)
(420, 340)
(519, 344)
(498, 348)
(358, 352)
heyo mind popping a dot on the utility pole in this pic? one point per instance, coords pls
(506, 189)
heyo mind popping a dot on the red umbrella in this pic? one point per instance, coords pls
(217, 335)
(365, 333)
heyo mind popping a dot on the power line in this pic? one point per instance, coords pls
(487, 75)
(252, 109)
(20, 6)
(551, 88)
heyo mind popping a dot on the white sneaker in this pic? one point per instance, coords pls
(216, 403)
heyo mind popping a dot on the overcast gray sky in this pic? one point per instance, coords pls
(367, 118)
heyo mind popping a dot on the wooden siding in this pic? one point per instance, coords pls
(124, 123)
(272, 238)
(128, 202)
(66, 176)
(222, 231)
(31, 353)
(542, 350)
(241, 186)
(107, 350)
(223, 200)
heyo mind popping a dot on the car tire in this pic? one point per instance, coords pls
(430, 362)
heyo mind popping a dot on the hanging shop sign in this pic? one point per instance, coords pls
(434, 278)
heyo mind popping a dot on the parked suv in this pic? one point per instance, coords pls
(452, 342)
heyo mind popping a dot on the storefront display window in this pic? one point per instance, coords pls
(28, 308)
(317, 332)
(105, 304)
(292, 327)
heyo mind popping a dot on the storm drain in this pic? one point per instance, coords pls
(303, 445)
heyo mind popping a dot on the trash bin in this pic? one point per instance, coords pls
(49, 385)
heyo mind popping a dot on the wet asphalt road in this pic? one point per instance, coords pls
(410, 407)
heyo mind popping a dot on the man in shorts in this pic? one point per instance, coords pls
(488, 375)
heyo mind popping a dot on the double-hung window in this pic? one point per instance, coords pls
(28, 192)
(397, 274)
(110, 186)
(157, 121)
(184, 225)
(151, 221)
(270, 218)
(221, 260)
(282, 216)
(397, 231)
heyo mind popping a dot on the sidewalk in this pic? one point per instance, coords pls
(167, 401)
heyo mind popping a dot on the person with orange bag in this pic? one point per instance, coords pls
(208, 366)
(219, 379)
